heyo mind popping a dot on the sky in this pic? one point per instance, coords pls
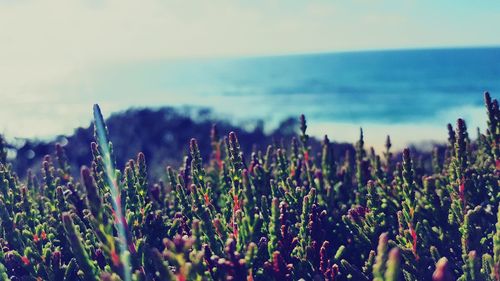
(46, 44)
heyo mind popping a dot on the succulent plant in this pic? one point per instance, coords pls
(286, 213)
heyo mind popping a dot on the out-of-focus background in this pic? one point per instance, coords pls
(404, 68)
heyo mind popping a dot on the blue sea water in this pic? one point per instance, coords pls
(410, 94)
(420, 89)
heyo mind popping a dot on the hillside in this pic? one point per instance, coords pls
(161, 134)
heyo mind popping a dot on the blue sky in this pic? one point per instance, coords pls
(44, 45)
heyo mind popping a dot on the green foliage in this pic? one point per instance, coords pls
(286, 213)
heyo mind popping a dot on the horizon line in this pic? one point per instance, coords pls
(317, 52)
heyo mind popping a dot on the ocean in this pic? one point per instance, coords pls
(409, 94)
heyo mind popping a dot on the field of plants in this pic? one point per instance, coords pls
(288, 212)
